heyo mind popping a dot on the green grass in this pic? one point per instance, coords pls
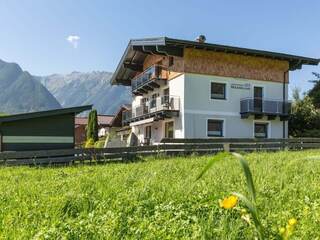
(160, 199)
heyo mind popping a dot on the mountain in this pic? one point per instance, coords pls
(21, 92)
(94, 88)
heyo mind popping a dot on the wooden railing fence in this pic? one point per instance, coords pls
(167, 147)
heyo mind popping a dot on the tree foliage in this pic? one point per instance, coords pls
(314, 93)
(92, 127)
(305, 119)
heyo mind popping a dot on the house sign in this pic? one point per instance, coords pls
(245, 86)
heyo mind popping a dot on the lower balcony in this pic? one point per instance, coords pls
(259, 107)
(159, 108)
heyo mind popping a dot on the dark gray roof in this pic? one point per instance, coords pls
(137, 50)
(60, 111)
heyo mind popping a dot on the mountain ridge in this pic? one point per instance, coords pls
(81, 88)
(20, 92)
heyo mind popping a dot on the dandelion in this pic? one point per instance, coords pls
(282, 230)
(289, 229)
(229, 202)
(292, 221)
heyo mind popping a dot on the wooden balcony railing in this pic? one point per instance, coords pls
(147, 80)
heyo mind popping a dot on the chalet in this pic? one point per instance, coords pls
(194, 89)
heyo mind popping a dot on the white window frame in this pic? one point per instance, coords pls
(226, 90)
(223, 127)
(261, 121)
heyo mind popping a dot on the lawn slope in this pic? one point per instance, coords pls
(159, 199)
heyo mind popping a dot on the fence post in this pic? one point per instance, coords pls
(226, 147)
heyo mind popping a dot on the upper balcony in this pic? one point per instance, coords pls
(149, 79)
(260, 107)
(159, 108)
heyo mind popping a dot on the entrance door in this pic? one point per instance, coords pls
(257, 99)
(169, 130)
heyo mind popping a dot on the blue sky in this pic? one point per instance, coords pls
(34, 32)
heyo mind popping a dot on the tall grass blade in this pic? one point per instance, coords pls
(253, 210)
(248, 175)
(213, 160)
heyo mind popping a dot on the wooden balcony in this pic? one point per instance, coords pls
(265, 107)
(148, 80)
(160, 108)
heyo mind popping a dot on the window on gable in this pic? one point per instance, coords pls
(218, 90)
(215, 128)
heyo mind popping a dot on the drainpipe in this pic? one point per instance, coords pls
(283, 104)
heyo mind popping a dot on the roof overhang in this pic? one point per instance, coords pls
(61, 111)
(137, 50)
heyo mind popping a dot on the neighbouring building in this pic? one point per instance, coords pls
(53, 129)
(122, 130)
(104, 125)
(193, 89)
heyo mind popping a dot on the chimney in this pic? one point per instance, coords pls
(201, 39)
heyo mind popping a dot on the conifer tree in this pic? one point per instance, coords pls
(92, 127)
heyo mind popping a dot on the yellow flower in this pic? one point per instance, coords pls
(282, 230)
(229, 202)
(292, 221)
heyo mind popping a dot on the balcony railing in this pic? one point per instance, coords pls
(158, 107)
(265, 106)
(147, 78)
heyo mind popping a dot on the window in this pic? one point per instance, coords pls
(153, 102)
(261, 130)
(168, 130)
(165, 98)
(147, 132)
(215, 128)
(218, 90)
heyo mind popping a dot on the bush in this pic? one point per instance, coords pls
(89, 143)
(305, 119)
(99, 144)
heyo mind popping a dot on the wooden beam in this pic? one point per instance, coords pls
(134, 66)
(258, 116)
(171, 51)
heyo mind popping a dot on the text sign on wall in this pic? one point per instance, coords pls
(245, 86)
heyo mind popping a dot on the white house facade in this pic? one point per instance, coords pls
(186, 89)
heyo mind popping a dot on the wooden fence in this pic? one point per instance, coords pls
(167, 147)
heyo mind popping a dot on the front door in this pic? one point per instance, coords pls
(169, 130)
(257, 99)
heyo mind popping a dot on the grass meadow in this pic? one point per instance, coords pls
(159, 198)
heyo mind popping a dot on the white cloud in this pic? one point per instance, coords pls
(74, 40)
